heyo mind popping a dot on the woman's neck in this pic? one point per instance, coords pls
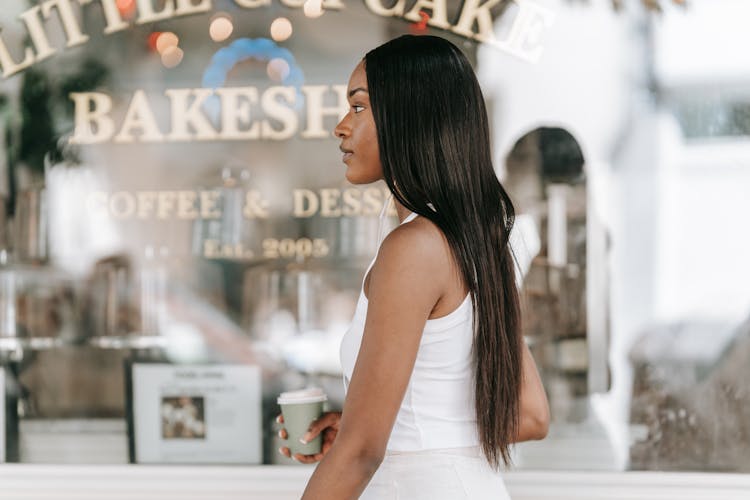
(401, 210)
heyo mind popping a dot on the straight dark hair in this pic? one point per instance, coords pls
(434, 145)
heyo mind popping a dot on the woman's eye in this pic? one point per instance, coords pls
(355, 108)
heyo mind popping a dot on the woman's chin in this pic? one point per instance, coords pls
(352, 177)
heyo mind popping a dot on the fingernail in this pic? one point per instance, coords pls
(278, 419)
(302, 440)
(280, 450)
(279, 433)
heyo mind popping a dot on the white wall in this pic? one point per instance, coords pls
(703, 245)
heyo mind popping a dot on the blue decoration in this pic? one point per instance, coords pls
(261, 49)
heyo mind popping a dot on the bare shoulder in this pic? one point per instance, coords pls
(419, 245)
(420, 236)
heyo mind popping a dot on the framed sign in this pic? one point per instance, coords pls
(195, 413)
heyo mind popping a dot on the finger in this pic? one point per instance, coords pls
(283, 434)
(317, 426)
(285, 451)
(305, 459)
(280, 418)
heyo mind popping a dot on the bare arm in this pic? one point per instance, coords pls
(534, 409)
(401, 297)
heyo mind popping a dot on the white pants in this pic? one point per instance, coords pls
(446, 474)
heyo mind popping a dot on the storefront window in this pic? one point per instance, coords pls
(179, 244)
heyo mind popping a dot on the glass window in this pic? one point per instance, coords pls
(179, 244)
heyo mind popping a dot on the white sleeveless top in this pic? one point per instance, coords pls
(438, 408)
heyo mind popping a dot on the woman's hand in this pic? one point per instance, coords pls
(327, 424)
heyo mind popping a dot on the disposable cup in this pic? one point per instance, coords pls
(300, 409)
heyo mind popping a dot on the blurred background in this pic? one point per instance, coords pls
(621, 130)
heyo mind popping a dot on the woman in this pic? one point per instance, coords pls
(438, 381)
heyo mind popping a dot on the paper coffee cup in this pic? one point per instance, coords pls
(300, 409)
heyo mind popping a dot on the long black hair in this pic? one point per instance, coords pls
(434, 145)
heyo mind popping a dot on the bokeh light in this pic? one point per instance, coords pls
(313, 8)
(277, 69)
(172, 56)
(165, 41)
(152, 38)
(281, 29)
(221, 27)
(126, 8)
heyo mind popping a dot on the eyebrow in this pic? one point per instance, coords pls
(352, 92)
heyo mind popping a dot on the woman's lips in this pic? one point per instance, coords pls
(346, 156)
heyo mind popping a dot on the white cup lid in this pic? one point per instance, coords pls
(309, 395)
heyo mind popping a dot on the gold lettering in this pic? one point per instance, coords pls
(300, 197)
(147, 14)
(186, 7)
(69, 22)
(377, 7)
(316, 111)
(146, 203)
(139, 116)
(208, 205)
(439, 17)
(211, 249)
(127, 200)
(235, 111)
(85, 117)
(37, 33)
(112, 17)
(255, 206)
(166, 201)
(352, 202)
(284, 114)
(328, 200)
(524, 37)
(10, 67)
(186, 205)
(184, 115)
(96, 204)
(472, 12)
(373, 200)
(227, 251)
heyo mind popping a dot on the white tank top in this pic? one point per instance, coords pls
(438, 408)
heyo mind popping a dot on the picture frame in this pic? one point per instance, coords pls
(191, 414)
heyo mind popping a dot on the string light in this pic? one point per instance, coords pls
(281, 29)
(221, 27)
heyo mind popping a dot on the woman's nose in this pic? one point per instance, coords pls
(341, 130)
